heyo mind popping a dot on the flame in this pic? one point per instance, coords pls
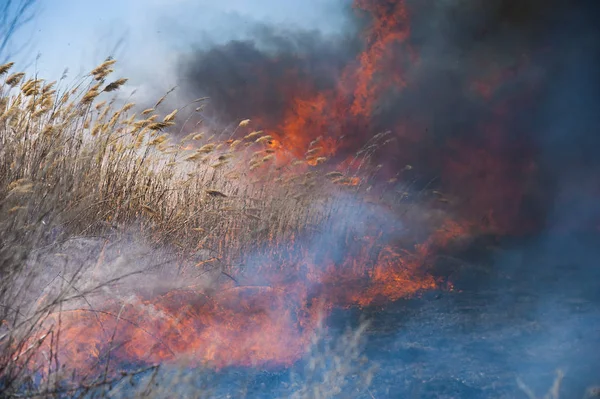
(348, 181)
(350, 104)
(270, 321)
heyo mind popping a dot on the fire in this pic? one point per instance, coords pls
(266, 320)
(349, 106)
(390, 28)
(235, 327)
(346, 113)
(348, 181)
(269, 322)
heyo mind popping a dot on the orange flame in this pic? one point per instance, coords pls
(271, 323)
(329, 113)
(253, 325)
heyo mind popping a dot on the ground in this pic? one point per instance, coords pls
(526, 311)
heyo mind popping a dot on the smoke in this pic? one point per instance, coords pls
(533, 318)
(507, 79)
(501, 102)
(471, 110)
(469, 343)
(95, 271)
(243, 78)
(543, 108)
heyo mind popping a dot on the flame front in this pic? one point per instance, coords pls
(245, 326)
(270, 321)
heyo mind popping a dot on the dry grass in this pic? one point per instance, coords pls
(75, 162)
(112, 168)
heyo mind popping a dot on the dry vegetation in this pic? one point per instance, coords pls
(76, 163)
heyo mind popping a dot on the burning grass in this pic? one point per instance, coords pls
(266, 245)
(124, 248)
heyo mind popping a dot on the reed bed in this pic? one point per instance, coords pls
(75, 161)
(111, 168)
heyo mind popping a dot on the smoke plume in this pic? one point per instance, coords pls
(471, 93)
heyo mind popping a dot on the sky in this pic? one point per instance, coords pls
(148, 36)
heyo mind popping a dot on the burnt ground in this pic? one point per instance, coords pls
(532, 309)
(522, 310)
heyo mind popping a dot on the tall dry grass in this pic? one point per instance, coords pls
(110, 168)
(77, 162)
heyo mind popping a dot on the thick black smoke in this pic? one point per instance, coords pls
(246, 78)
(538, 56)
(549, 94)
(534, 306)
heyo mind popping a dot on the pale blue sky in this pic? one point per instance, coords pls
(78, 34)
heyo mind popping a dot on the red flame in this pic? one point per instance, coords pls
(330, 113)
(265, 323)
(272, 322)
(249, 325)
